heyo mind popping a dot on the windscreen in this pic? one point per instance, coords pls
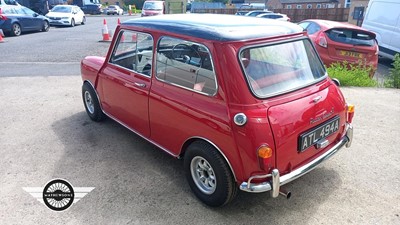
(153, 6)
(61, 9)
(275, 69)
(352, 37)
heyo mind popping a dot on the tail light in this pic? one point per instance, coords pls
(350, 113)
(377, 48)
(3, 17)
(321, 40)
(264, 153)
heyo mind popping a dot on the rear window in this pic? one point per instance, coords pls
(352, 37)
(275, 69)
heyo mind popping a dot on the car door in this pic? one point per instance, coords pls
(35, 21)
(23, 19)
(125, 81)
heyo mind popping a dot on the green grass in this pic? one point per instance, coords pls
(393, 79)
(352, 75)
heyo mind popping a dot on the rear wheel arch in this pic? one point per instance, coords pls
(191, 140)
(208, 173)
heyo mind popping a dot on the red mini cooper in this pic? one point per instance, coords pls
(246, 103)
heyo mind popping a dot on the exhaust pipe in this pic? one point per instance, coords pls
(286, 194)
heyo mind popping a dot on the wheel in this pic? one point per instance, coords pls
(209, 175)
(83, 20)
(72, 22)
(91, 102)
(16, 29)
(46, 26)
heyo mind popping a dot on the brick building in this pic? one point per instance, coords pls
(307, 4)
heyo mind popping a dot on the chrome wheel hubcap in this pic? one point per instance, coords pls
(89, 102)
(203, 175)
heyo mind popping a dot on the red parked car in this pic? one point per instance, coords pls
(246, 103)
(338, 42)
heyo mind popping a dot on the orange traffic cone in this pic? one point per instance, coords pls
(1, 36)
(122, 36)
(106, 35)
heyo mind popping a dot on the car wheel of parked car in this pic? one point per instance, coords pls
(46, 26)
(91, 102)
(209, 175)
(83, 21)
(16, 29)
(72, 22)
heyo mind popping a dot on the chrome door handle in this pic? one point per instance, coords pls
(139, 85)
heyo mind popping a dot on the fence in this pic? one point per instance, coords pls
(296, 15)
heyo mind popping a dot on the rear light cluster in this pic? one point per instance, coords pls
(377, 48)
(2, 17)
(321, 40)
(264, 153)
(350, 113)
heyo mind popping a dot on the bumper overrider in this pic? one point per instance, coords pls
(277, 181)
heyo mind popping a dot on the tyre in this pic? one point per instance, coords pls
(209, 175)
(83, 21)
(72, 22)
(46, 26)
(16, 30)
(91, 103)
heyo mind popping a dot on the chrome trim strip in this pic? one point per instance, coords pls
(278, 181)
(136, 132)
(216, 147)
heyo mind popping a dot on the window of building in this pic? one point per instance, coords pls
(185, 64)
(347, 4)
(319, 6)
(289, 6)
(329, 6)
(298, 6)
(309, 6)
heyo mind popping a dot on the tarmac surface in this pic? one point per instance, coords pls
(46, 134)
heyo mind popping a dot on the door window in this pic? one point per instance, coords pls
(134, 51)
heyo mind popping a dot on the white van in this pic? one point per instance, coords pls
(383, 18)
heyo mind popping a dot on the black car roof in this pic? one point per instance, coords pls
(217, 27)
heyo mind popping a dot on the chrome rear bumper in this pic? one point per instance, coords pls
(277, 181)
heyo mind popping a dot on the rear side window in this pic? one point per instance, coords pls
(185, 64)
(311, 27)
(280, 68)
(352, 37)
